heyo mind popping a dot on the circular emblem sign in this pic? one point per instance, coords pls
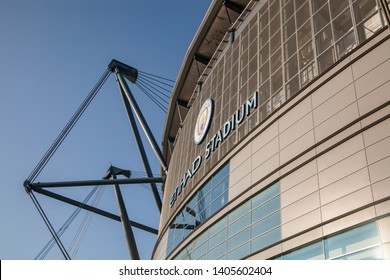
(203, 121)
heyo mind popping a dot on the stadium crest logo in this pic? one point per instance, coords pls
(203, 121)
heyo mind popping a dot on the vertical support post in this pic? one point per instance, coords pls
(129, 235)
(141, 148)
(141, 119)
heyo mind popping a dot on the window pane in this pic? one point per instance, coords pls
(266, 209)
(290, 47)
(218, 238)
(277, 80)
(374, 253)
(368, 27)
(325, 60)
(336, 6)
(306, 55)
(266, 195)
(266, 224)
(292, 87)
(317, 4)
(288, 10)
(342, 25)
(324, 39)
(239, 212)
(364, 9)
(265, 240)
(218, 226)
(238, 225)
(321, 18)
(238, 239)
(239, 252)
(311, 252)
(217, 252)
(304, 34)
(303, 14)
(346, 44)
(291, 68)
(351, 241)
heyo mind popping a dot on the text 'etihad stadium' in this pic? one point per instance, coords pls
(222, 134)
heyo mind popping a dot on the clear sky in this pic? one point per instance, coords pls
(51, 55)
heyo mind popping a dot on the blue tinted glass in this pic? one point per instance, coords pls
(239, 239)
(217, 252)
(266, 224)
(374, 253)
(351, 241)
(239, 225)
(314, 251)
(218, 238)
(199, 251)
(266, 195)
(239, 252)
(267, 208)
(222, 173)
(218, 226)
(265, 240)
(240, 211)
(218, 203)
(219, 189)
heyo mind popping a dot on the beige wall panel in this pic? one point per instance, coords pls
(300, 207)
(386, 251)
(381, 189)
(371, 60)
(298, 192)
(374, 78)
(342, 169)
(298, 146)
(344, 186)
(334, 104)
(302, 239)
(265, 153)
(374, 99)
(339, 137)
(265, 168)
(240, 157)
(378, 151)
(240, 186)
(240, 172)
(377, 133)
(339, 82)
(298, 162)
(337, 121)
(299, 176)
(384, 112)
(384, 229)
(380, 170)
(265, 137)
(304, 222)
(296, 131)
(340, 152)
(349, 221)
(383, 208)
(347, 203)
(295, 114)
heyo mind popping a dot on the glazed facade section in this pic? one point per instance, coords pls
(320, 133)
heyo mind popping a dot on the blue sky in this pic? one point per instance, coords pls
(51, 55)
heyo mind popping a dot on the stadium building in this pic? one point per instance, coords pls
(277, 136)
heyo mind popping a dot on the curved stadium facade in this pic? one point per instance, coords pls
(288, 102)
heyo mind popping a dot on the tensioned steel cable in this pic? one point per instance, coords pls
(161, 106)
(156, 76)
(49, 226)
(49, 245)
(53, 148)
(150, 90)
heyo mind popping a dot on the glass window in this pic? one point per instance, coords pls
(304, 34)
(324, 39)
(306, 55)
(342, 24)
(303, 14)
(292, 87)
(346, 44)
(321, 18)
(291, 68)
(277, 80)
(266, 239)
(314, 251)
(336, 6)
(266, 224)
(325, 60)
(317, 4)
(239, 253)
(217, 238)
(368, 27)
(238, 239)
(240, 211)
(290, 47)
(374, 253)
(238, 225)
(288, 10)
(217, 252)
(266, 209)
(351, 241)
(289, 29)
(276, 60)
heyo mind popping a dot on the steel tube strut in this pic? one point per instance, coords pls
(141, 148)
(141, 119)
(128, 232)
(40, 185)
(94, 210)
